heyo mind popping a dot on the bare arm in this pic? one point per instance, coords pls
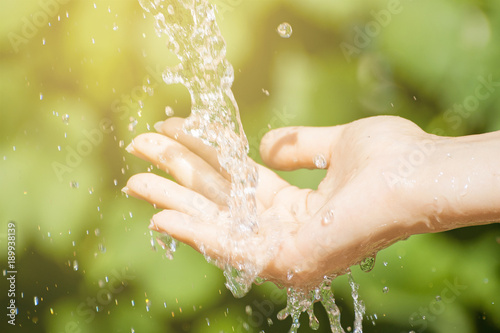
(462, 185)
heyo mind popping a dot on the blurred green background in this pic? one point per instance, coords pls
(79, 79)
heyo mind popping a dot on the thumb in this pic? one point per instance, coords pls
(292, 148)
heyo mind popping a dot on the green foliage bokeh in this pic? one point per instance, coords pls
(84, 76)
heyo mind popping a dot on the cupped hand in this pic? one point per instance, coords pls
(366, 202)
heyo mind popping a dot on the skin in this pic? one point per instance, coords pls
(387, 180)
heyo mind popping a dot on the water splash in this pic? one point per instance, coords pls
(328, 217)
(320, 161)
(284, 30)
(193, 35)
(367, 264)
(299, 301)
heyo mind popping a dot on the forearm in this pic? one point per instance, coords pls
(460, 185)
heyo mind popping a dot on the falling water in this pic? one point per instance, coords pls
(193, 35)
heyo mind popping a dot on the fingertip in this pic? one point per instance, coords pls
(292, 148)
(272, 142)
(158, 126)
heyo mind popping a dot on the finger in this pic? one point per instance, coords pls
(269, 182)
(174, 128)
(268, 185)
(191, 231)
(187, 168)
(166, 194)
(292, 148)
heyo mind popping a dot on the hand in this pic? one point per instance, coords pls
(304, 234)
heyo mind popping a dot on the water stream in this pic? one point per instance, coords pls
(192, 33)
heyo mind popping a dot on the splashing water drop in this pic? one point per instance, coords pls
(385, 290)
(75, 265)
(169, 111)
(327, 218)
(132, 124)
(168, 244)
(367, 264)
(65, 119)
(320, 161)
(284, 30)
(170, 10)
(35, 300)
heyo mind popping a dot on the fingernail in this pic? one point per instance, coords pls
(130, 148)
(158, 125)
(152, 225)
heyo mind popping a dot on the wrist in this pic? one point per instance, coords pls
(459, 185)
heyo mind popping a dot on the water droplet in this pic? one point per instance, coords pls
(320, 161)
(367, 264)
(170, 9)
(132, 124)
(266, 92)
(132, 302)
(115, 182)
(169, 111)
(115, 26)
(269, 321)
(385, 263)
(35, 300)
(43, 41)
(51, 311)
(385, 290)
(65, 118)
(75, 265)
(41, 96)
(327, 218)
(248, 310)
(284, 30)
(438, 298)
(97, 232)
(73, 184)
